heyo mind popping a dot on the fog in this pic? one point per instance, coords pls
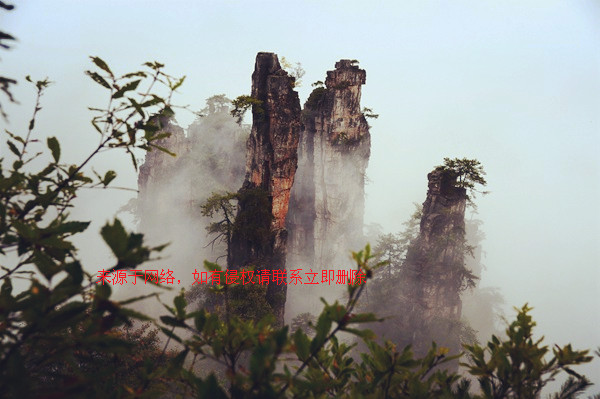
(513, 84)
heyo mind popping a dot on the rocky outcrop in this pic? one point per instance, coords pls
(327, 204)
(259, 237)
(155, 174)
(156, 165)
(433, 274)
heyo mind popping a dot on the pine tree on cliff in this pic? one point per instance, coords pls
(419, 290)
(434, 273)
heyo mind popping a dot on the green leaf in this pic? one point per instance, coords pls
(212, 267)
(13, 148)
(98, 79)
(135, 314)
(363, 318)
(364, 334)
(6, 289)
(139, 74)
(200, 320)
(178, 84)
(116, 237)
(71, 284)
(302, 345)
(128, 87)
(180, 304)
(170, 334)
(45, 264)
(72, 227)
(102, 65)
(155, 100)
(137, 107)
(15, 137)
(172, 321)
(108, 177)
(103, 291)
(163, 149)
(177, 361)
(154, 65)
(96, 126)
(322, 329)
(135, 165)
(136, 299)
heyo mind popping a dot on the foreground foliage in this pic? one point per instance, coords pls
(58, 315)
(62, 335)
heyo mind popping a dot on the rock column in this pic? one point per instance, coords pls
(260, 236)
(327, 205)
(434, 274)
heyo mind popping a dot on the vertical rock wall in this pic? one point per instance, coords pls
(433, 273)
(259, 237)
(327, 204)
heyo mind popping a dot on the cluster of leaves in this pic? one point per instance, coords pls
(242, 104)
(261, 361)
(63, 307)
(266, 362)
(346, 142)
(368, 113)
(247, 301)
(126, 116)
(316, 97)
(216, 160)
(518, 367)
(215, 104)
(469, 174)
(252, 225)
(392, 248)
(223, 205)
(130, 363)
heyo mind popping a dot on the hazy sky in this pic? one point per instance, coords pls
(513, 83)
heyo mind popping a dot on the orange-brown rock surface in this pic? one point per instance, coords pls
(259, 237)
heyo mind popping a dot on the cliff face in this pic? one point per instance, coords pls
(156, 165)
(158, 171)
(260, 236)
(434, 275)
(327, 204)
